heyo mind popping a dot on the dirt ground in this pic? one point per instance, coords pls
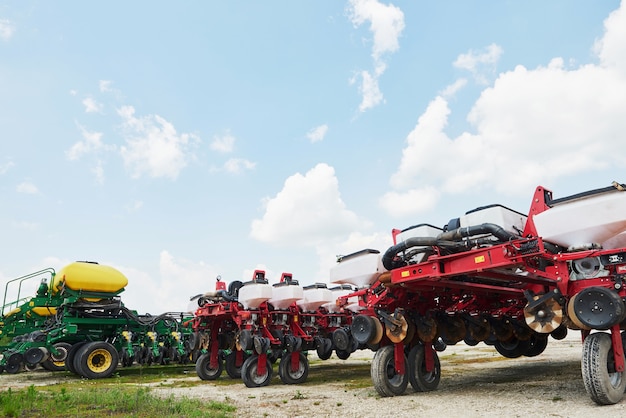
(475, 382)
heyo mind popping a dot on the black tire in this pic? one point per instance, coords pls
(71, 356)
(293, 377)
(342, 354)
(386, 381)
(250, 376)
(512, 348)
(29, 367)
(96, 360)
(56, 363)
(324, 348)
(12, 368)
(230, 364)
(420, 379)
(605, 385)
(538, 344)
(204, 370)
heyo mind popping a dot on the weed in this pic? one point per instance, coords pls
(298, 395)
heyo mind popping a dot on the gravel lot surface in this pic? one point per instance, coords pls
(476, 382)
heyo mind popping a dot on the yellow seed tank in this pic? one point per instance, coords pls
(89, 277)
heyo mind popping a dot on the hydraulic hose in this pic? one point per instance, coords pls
(453, 238)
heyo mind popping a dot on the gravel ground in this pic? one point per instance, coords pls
(476, 382)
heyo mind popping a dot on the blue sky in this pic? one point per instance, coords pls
(181, 141)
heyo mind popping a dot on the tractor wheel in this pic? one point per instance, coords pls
(71, 357)
(293, 377)
(387, 381)
(420, 379)
(512, 348)
(342, 354)
(29, 367)
(325, 348)
(204, 370)
(35, 355)
(538, 344)
(96, 360)
(250, 376)
(230, 364)
(603, 383)
(12, 368)
(56, 363)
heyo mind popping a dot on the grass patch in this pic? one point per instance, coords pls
(104, 402)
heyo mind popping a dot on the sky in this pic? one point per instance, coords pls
(178, 142)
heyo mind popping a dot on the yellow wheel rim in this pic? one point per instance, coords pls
(99, 360)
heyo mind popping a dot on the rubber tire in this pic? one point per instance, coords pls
(96, 360)
(12, 368)
(230, 364)
(71, 356)
(538, 344)
(604, 387)
(57, 364)
(342, 354)
(386, 381)
(325, 349)
(290, 377)
(420, 379)
(513, 348)
(203, 369)
(249, 373)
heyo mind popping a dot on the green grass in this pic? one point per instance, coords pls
(104, 402)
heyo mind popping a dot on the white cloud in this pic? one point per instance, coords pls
(224, 143)
(481, 64)
(92, 143)
(531, 126)
(450, 90)
(27, 188)
(370, 92)
(154, 148)
(412, 201)
(91, 106)
(237, 165)
(611, 47)
(98, 172)
(105, 86)
(177, 281)
(317, 134)
(7, 29)
(308, 210)
(6, 167)
(386, 25)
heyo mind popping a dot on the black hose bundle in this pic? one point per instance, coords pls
(454, 239)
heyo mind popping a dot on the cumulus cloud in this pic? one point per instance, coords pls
(92, 106)
(153, 147)
(92, 142)
(224, 143)
(177, 281)
(6, 167)
(308, 210)
(7, 29)
(386, 23)
(238, 165)
(317, 134)
(530, 126)
(481, 64)
(27, 187)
